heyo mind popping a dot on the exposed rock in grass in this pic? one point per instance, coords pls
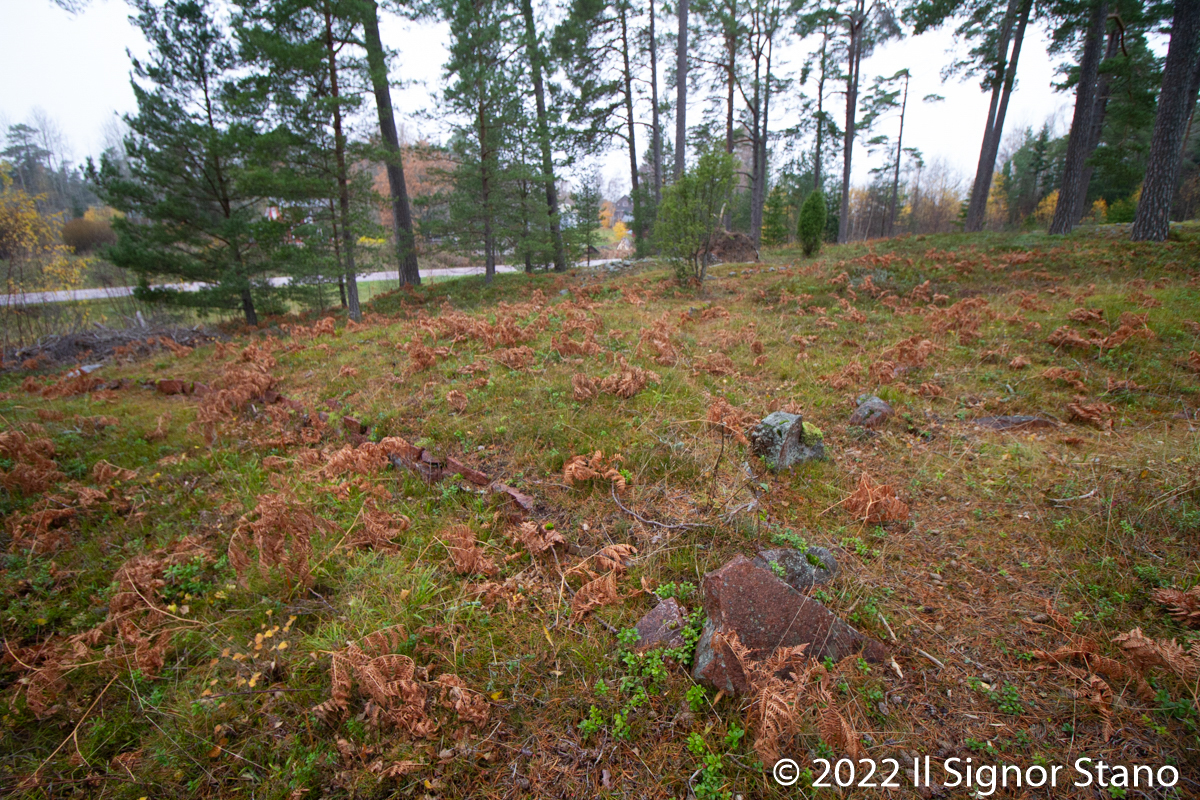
(872, 412)
(744, 598)
(1015, 423)
(784, 439)
(800, 570)
(662, 626)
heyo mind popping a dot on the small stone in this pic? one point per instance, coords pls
(872, 412)
(353, 426)
(784, 439)
(662, 626)
(801, 571)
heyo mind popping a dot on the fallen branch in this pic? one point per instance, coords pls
(679, 526)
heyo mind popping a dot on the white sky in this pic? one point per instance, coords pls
(75, 68)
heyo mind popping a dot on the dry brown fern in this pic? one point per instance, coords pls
(728, 420)
(778, 685)
(583, 388)
(875, 503)
(465, 552)
(537, 539)
(1183, 606)
(592, 595)
(628, 381)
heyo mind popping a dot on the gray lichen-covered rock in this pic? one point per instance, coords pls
(798, 569)
(872, 412)
(784, 439)
(765, 613)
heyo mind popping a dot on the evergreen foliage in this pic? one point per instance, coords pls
(811, 228)
(691, 212)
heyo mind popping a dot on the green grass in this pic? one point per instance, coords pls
(1093, 519)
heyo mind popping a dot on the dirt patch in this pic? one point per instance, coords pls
(731, 247)
(102, 343)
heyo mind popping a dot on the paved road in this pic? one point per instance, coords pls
(37, 298)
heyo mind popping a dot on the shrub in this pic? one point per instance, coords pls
(690, 212)
(85, 235)
(775, 218)
(812, 223)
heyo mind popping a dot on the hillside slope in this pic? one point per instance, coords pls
(290, 573)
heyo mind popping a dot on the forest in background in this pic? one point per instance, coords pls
(266, 146)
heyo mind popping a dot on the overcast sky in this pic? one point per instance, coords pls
(75, 68)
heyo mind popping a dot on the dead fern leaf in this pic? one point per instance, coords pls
(465, 552)
(728, 420)
(105, 473)
(837, 732)
(1091, 413)
(583, 388)
(537, 539)
(1086, 315)
(875, 503)
(613, 557)
(457, 400)
(592, 595)
(1183, 606)
(515, 358)
(628, 381)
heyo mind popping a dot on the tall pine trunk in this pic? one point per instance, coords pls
(534, 53)
(820, 113)
(343, 182)
(402, 227)
(681, 70)
(1100, 111)
(856, 22)
(1072, 189)
(993, 132)
(655, 127)
(1153, 219)
(891, 222)
(485, 155)
(639, 224)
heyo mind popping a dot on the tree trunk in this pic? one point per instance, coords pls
(402, 227)
(977, 208)
(534, 53)
(1081, 124)
(489, 245)
(1103, 87)
(1153, 219)
(891, 223)
(731, 64)
(337, 254)
(853, 60)
(248, 308)
(339, 147)
(759, 198)
(755, 127)
(820, 113)
(995, 130)
(655, 127)
(681, 69)
(639, 232)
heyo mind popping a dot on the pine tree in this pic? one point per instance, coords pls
(775, 217)
(811, 227)
(1175, 106)
(298, 52)
(586, 212)
(193, 210)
